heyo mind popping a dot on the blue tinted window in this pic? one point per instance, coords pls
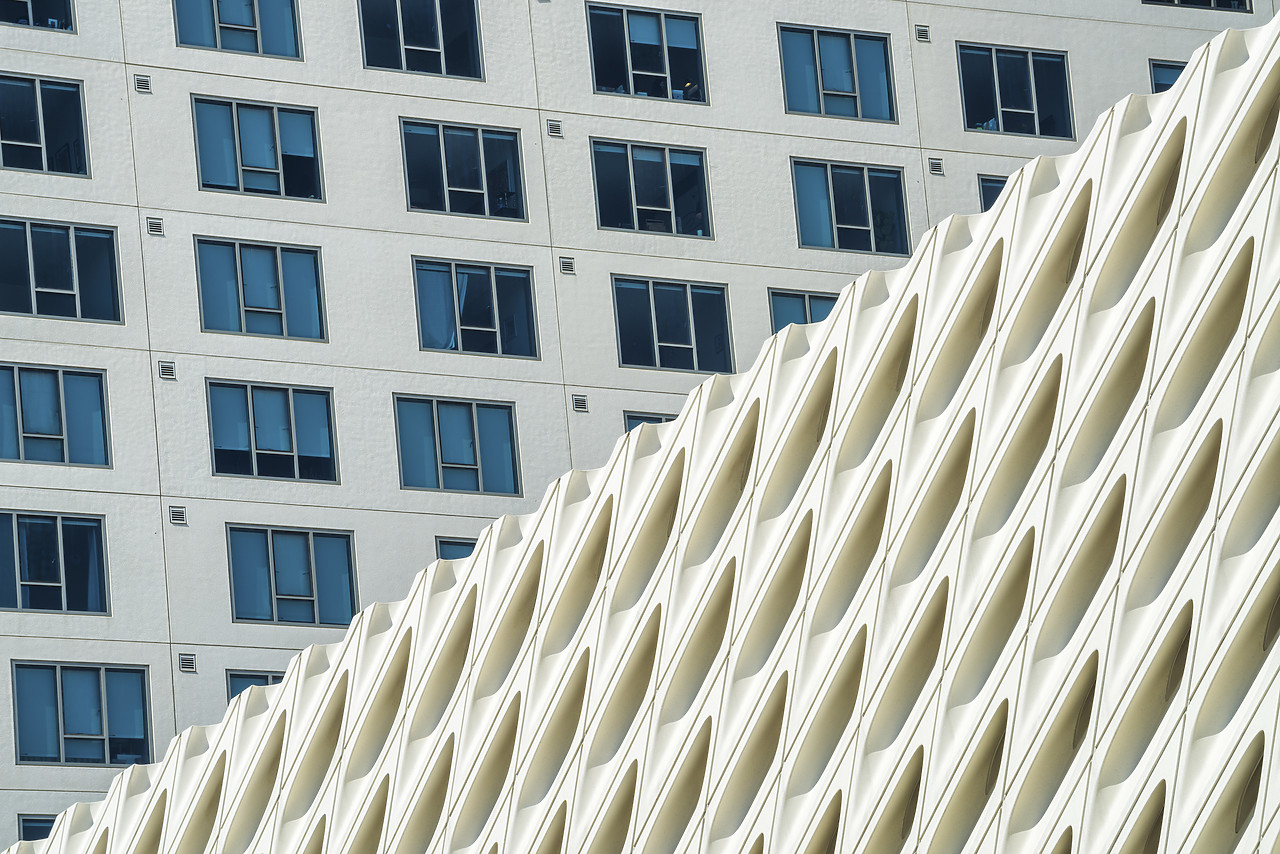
(475, 309)
(52, 563)
(257, 148)
(247, 26)
(52, 415)
(41, 126)
(837, 73)
(34, 827)
(241, 680)
(787, 307)
(852, 207)
(459, 446)
(633, 420)
(1165, 74)
(650, 188)
(641, 52)
(291, 576)
(1009, 90)
(989, 189)
(260, 289)
(103, 719)
(672, 325)
(49, 14)
(454, 549)
(272, 431)
(480, 176)
(426, 36)
(52, 270)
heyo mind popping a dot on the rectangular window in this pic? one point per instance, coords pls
(52, 415)
(787, 307)
(52, 270)
(1231, 5)
(248, 26)
(648, 53)
(454, 548)
(259, 289)
(257, 148)
(463, 170)
(632, 420)
(1015, 90)
(651, 188)
(475, 308)
(48, 14)
(427, 36)
(989, 189)
(35, 827)
(837, 73)
(851, 206)
(457, 445)
(283, 575)
(1165, 74)
(272, 431)
(240, 680)
(42, 125)
(672, 325)
(52, 563)
(81, 715)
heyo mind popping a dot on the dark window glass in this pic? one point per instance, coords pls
(257, 148)
(475, 308)
(989, 189)
(651, 188)
(52, 415)
(103, 719)
(260, 289)
(427, 36)
(1165, 74)
(457, 445)
(672, 325)
(53, 270)
(787, 307)
(1231, 5)
(248, 26)
(463, 170)
(291, 435)
(648, 53)
(34, 827)
(52, 563)
(454, 548)
(241, 680)
(48, 14)
(851, 207)
(1010, 90)
(837, 73)
(290, 576)
(41, 126)
(633, 420)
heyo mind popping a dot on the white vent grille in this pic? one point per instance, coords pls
(935, 166)
(187, 662)
(177, 515)
(167, 370)
(579, 403)
(555, 128)
(142, 83)
(922, 33)
(568, 266)
(155, 226)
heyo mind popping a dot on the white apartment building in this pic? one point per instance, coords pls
(298, 294)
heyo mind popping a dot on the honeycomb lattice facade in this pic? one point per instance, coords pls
(986, 561)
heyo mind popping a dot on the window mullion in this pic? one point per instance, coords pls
(235, 130)
(653, 325)
(311, 568)
(444, 167)
(19, 417)
(217, 25)
(1035, 105)
(475, 444)
(866, 194)
(404, 57)
(275, 129)
(435, 423)
(293, 435)
(31, 269)
(44, 149)
(62, 405)
(271, 573)
(16, 578)
(662, 49)
(853, 72)
(817, 71)
(435, 5)
(62, 563)
(693, 332)
(253, 432)
(831, 206)
(497, 309)
(484, 173)
(457, 304)
(995, 75)
(635, 201)
(626, 52)
(240, 292)
(62, 734)
(284, 309)
(104, 723)
(671, 190)
(75, 268)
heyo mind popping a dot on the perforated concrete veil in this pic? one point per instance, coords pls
(987, 561)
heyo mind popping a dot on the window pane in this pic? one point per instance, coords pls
(786, 308)
(302, 293)
(684, 59)
(19, 121)
(650, 166)
(419, 18)
(711, 328)
(461, 38)
(671, 314)
(888, 211)
(298, 154)
(835, 56)
(813, 208)
(219, 288)
(261, 285)
(229, 408)
(635, 319)
(850, 194)
(239, 682)
(36, 697)
(96, 267)
(1052, 101)
(417, 444)
(8, 416)
(613, 185)
(41, 408)
(436, 323)
(82, 566)
(33, 828)
(1014, 74)
(216, 146)
(1163, 76)
(38, 550)
(51, 254)
(457, 434)
(422, 167)
(292, 563)
(315, 436)
(127, 716)
(515, 313)
(502, 174)
(462, 158)
(990, 187)
(271, 420)
(86, 419)
(688, 184)
(55, 14)
(800, 71)
(497, 448)
(334, 596)
(820, 307)
(874, 83)
(608, 50)
(15, 283)
(454, 549)
(381, 29)
(979, 84)
(8, 585)
(81, 701)
(279, 36)
(475, 296)
(250, 575)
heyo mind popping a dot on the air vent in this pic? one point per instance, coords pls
(142, 83)
(568, 266)
(922, 33)
(177, 515)
(167, 370)
(579, 403)
(155, 226)
(935, 166)
(187, 662)
(554, 128)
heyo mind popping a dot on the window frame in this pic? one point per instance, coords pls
(808, 304)
(71, 8)
(831, 205)
(653, 324)
(274, 677)
(314, 598)
(62, 584)
(404, 69)
(666, 59)
(453, 265)
(102, 668)
(257, 30)
(84, 126)
(649, 418)
(631, 174)
(440, 126)
(249, 386)
(284, 311)
(815, 30)
(435, 400)
(1166, 63)
(275, 108)
(454, 541)
(41, 817)
(1035, 102)
(61, 370)
(75, 271)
